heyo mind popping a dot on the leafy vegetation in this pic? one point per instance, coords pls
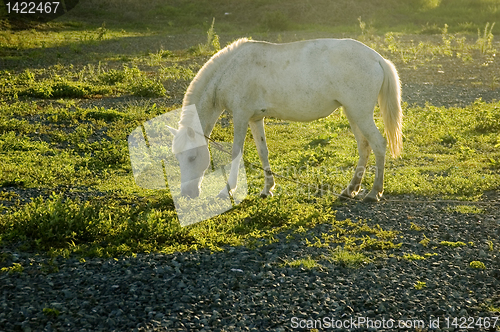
(85, 149)
(453, 244)
(15, 268)
(348, 258)
(75, 153)
(477, 265)
(51, 312)
(307, 263)
(419, 285)
(413, 257)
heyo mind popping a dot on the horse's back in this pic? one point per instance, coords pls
(320, 73)
(307, 52)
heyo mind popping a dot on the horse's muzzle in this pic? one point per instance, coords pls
(190, 189)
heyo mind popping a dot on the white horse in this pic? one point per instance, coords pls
(300, 81)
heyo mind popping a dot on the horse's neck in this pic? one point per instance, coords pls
(208, 115)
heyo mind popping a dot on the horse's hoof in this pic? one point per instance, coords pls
(371, 199)
(264, 195)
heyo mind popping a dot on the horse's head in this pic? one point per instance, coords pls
(191, 150)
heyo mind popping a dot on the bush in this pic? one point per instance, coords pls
(145, 87)
(54, 222)
(477, 265)
(113, 76)
(64, 89)
(488, 120)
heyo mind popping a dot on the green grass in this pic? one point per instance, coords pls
(307, 263)
(51, 312)
(452, 244)
(15, 268)
(465, 209)
(348, 258)
(85, 149)
(419, 285)
(413, 257)
(477, 265)
(78, 157)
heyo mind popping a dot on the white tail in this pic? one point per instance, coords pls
(389, 100)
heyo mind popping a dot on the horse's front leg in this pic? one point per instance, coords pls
(259, 137)
(240, 130)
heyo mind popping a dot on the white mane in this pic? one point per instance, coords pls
(201, 80)
(189, 116)
(189, 122)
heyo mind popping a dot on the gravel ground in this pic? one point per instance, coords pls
(250, 290)
(445, 95)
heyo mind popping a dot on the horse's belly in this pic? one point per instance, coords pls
(302, 112)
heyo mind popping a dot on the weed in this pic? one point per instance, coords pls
(425, 241)
(113, 76)
(452, 244)
(92, 37)
(487, 120)
(51, 312)
(211, 46)
(307, 263)
(347, 258)
(446, 38)
(415, 227)
(50, 267)
(63, 89)
(477, 265)
(15, 268)
(419, 285)
(485, 42)
(146, 87)
(413, 257)
(492, 305)
(465, 209)
(176, 73)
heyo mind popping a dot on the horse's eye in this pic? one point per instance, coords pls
(191, 159)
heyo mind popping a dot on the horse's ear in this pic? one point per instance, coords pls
(172, 130)
(190, 132)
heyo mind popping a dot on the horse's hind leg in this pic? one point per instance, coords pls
(364, 152)
(368, 129)
(378, 145)
(259, 137)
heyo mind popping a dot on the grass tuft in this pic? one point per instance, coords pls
(419, 285)
(452, 244)
(477, 265)
(347, 258)
(307, 263)
(15, 268)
